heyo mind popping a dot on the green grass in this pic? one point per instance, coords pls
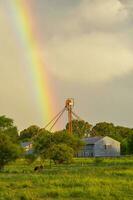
(85, 179)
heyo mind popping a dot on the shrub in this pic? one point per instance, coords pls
(61, 153)
(59, 141)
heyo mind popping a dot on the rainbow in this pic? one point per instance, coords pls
(26, 34)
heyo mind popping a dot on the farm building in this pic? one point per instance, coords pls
(100, 147)
(27, 146)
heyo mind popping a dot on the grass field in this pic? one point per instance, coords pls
(85, 179)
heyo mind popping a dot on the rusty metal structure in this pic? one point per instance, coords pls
(69, 105)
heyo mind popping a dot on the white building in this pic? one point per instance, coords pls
(27, 146)
(100, 147)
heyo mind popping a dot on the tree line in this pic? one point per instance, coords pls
(59, 146)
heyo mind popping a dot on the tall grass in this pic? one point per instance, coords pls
(85, 179)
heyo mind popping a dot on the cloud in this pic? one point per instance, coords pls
(103, 13)
(85, 41)
(92, 58)
(91, 43)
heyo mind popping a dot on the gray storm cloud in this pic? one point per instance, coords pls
(92, 42)
(82, 41)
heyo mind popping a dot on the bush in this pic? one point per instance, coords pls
(48, 145)
(61, 153)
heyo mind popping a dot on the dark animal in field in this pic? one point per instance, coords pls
(38, 168)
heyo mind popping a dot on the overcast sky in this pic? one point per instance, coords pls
(88, 48)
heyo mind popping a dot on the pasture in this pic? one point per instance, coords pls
(84, 179)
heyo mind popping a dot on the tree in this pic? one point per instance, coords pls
(71, 140)
(80, 128)
(46, 142)
(43, 143)
(61, 153)
(108, 129)
(5, 123)
(7, 127)
(130, 144)
(124, 147)
(8, 150)
(103, 129)
(122, 134)
(28, 133)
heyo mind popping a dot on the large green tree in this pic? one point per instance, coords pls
(80, 128)
(46, 143)
(103, 129)
(29, 133)
(7, 127)
(8, 150)
(5, 123)
(71, 140)
(42, 144)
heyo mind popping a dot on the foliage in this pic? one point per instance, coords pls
(42, 144)
(83, 179)
(117, 132)
(12, 132)
(5, 123)
(71, 140)
(7, 127)
(124, 147)
(80, 128)
(103, 129)
(8, 150)
(61, 153)
(30, 158)
(28, 133)
(130, 144)
(46, 141)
